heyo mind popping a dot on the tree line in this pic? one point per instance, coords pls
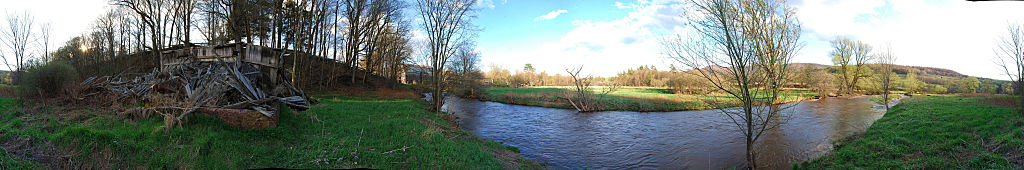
(373, 35)
(328, 42)
(825, 80)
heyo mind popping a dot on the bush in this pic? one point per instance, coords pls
(469, 85)
(46, 80)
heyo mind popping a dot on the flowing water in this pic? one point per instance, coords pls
(566, 139)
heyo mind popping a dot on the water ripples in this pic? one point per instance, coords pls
(566, 139)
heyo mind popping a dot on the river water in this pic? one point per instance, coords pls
(566, 139)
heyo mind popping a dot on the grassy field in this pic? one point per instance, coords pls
(643, 99)
(936, 132)
(342, 132)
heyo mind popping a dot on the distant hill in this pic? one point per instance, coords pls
(898, 69)
(903, 70)
(931, 76)
(801, 66)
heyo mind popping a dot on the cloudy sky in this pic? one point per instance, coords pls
(609, 36)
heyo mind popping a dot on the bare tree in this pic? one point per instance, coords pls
(44, 40)
(106, 26)
(354, 35)
(1010, 52)
(466, 58)
(152, 15)
(885, 59)
(852, 58)
(17, 38)
(742, 48)
(382, 16)
(861, 55)
(213, 14)
(842, 53)
(181, 21)
(465, 73)
(579, 98)
(445, 22)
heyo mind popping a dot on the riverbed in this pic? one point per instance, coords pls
(707, 139)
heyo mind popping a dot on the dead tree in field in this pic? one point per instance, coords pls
(743, 48)
(579, 98)
(445, 22)
(1011, 58)
(885, 74)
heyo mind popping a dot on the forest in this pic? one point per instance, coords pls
(328, 43)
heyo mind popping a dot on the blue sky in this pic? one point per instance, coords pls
(608, 37)
(515, 33)
(513, 23)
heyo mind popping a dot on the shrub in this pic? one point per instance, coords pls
(469, 85)
(46, 80)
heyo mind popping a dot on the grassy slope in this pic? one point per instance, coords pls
(624, 99)
(935, 132)
(343, 132)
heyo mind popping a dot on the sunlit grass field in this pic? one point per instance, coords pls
(342, 132)
(643, 99)
(936, 132)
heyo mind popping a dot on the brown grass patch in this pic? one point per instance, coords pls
(1000, 101)
(41, 151)
(509, 159)
(7, 92)
(912, 156)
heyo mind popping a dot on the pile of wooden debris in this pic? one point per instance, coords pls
(235, 92)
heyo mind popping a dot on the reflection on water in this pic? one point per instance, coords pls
(565, 139)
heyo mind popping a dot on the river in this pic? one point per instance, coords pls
(566, 139)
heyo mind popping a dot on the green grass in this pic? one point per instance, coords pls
(7, 159)
(642, 99)
(343, 132)
(935, 132)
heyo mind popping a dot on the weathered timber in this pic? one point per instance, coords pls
(226, 81)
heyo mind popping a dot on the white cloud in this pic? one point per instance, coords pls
(624, 5)
(953, 34)
(550, 15)
(605, 48)
(490, 3)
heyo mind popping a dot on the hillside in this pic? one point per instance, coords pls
(934, 79)
(898, 69)
(903, 70)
